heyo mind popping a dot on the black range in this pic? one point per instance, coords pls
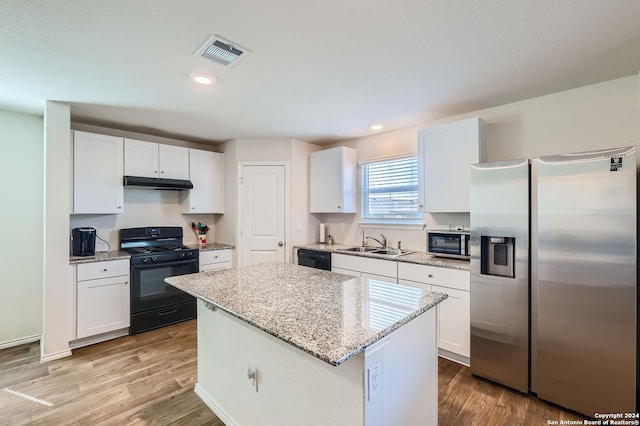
(157, 253)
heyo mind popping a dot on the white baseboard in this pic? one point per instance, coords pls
(55, 355)
(215, 407)
(75, 344)
(451, 356)
(20, 341)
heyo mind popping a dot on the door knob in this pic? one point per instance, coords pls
(280, 244)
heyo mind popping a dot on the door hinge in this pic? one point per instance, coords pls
(241, 180)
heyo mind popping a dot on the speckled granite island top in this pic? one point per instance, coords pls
(328, 315)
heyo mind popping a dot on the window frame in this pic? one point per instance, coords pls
(402, 222)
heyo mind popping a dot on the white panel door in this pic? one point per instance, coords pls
(263, 202)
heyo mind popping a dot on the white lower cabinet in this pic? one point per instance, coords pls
(214, 260)
(366, 267)
(454, 321)
(102, 297)
(454, 332)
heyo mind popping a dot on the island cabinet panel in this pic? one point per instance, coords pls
(332, 180)
(454, 332)
(215, 260)
(386, 270)
(206, 172)
(97, 174)
(444, 155)
(249, 377)
(102, 297)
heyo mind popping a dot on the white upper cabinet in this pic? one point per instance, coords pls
(150, 159)
(332, 180)
(97, 174)
(206, 172)
(445, 154)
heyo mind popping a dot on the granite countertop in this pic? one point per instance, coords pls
(328, 315)
(210, 246)
(117, 254)
(101, 256)
(417, 257)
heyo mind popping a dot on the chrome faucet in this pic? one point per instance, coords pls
(382, 243)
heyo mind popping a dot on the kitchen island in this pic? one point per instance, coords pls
(289, 345)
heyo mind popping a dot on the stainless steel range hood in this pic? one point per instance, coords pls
(141, 182)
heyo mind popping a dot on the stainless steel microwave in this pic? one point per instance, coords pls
(453, 244)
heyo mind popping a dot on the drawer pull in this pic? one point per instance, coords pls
(173, 311)
(104, 270)
(430, 275)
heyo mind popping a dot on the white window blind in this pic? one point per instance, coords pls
(390, 189)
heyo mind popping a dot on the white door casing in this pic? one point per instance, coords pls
(262, 212)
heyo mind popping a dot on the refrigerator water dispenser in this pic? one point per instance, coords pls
(497, 256)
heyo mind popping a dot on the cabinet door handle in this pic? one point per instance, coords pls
(104, 270)
(155, 171)
(126, 282)
(161, 172)
(280, 244)
(120, 207)
(338, 206)
(430, 275)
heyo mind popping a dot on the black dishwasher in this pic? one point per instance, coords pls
(314, 259)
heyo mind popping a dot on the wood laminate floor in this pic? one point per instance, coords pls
(148, 379)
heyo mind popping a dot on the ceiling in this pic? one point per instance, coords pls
(319, 70)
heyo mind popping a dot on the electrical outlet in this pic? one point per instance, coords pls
(375, 380)
(252, 375)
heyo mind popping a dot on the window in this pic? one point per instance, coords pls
(390, 189)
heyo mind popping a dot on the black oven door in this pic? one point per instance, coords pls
(148, 289)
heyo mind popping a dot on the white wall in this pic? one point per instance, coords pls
(304, 227)
(21, 171)
(57, 197)
(146, 208)
(602, 115)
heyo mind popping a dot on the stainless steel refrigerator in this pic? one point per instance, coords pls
(553, 278)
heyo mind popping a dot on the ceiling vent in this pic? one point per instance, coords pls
(222, 51)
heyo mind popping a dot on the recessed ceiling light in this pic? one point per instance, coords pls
(376, 127)
(203, 79)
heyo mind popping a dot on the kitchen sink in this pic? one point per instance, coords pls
(361, 249)
(391, 251)
(377, 250)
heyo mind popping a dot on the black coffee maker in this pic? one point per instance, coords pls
(83, 241)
